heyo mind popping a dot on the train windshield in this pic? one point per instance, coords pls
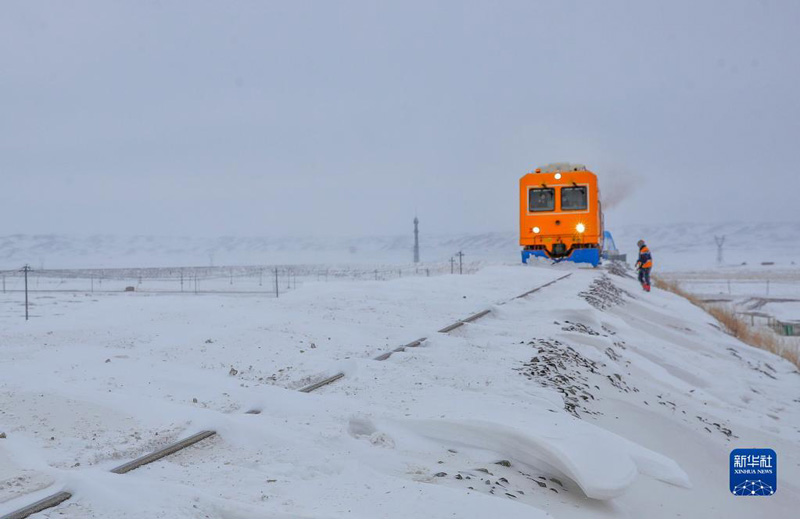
(573, 198)
(541, 199)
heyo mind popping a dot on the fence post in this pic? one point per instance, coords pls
(276, 282)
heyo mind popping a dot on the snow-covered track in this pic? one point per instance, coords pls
(447, 329)
(384, 356)
(59, 497)
(529, 292)
(62, 496)
(163, 452)
(41, 505)
(462, 322)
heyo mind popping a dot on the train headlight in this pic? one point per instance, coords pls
(536, 230)
(580, 227)
(558, 176)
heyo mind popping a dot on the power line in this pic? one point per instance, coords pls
(719, 240)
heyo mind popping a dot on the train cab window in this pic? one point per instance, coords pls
(541, 199)
(574, 198)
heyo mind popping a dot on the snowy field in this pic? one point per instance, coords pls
(762, 294)
(586, 399)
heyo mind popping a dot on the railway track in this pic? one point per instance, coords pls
(57, 498)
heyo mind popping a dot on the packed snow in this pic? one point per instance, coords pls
(588, 398)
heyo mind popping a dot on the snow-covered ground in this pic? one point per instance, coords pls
(586, 399)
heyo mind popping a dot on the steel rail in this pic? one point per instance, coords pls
(163, 452)
(40, 505)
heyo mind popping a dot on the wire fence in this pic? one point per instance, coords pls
(265, 280)
(756, 300)
(744, 287)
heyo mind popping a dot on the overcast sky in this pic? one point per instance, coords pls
(344, 118)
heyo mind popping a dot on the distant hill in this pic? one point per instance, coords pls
(678, 246)
(691, 246)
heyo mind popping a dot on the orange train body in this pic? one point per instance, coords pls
(560, 214)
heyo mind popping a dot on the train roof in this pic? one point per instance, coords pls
(562, 166)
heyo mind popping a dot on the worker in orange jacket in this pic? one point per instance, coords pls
(644, 264)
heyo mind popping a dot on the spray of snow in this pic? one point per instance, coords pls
(618, 184)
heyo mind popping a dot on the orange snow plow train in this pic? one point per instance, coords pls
(561, 216)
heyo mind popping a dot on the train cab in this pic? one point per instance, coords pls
(561, 216)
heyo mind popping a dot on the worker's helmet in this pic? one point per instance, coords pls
(640, 243)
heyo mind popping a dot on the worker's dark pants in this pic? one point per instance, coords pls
(644, 276)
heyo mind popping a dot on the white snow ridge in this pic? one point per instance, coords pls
(587, 398)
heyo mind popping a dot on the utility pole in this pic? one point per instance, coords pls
(276, 282)
(26, 269)
(719, 240)
(460, 258)
(416, 239)
(452, 263)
